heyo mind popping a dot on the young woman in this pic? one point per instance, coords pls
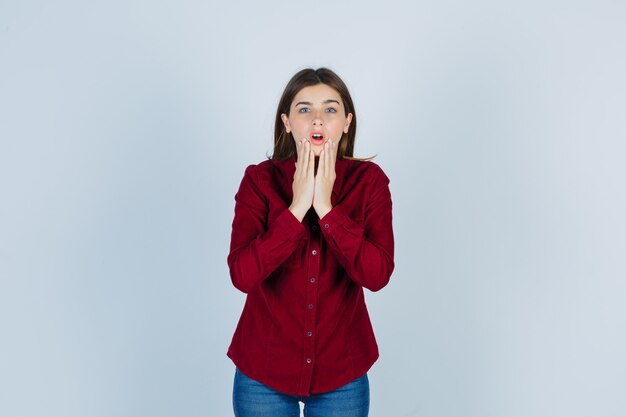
(312, 228)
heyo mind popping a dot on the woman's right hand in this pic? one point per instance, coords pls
(303, 180)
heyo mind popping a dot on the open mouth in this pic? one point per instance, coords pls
(317, 138)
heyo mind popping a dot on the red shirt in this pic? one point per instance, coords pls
(305, 328)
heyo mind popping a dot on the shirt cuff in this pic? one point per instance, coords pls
(290, 225)
(335, 217)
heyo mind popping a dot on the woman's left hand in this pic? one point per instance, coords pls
(325, 179)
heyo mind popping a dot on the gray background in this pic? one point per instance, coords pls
(125, 128)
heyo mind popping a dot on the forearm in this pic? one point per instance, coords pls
(366, 257)
(253, 257)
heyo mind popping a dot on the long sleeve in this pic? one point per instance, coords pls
(258, 248)
(365, 252)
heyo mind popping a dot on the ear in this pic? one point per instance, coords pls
(285, 120)
(347, 125)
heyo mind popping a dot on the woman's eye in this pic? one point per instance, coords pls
(304, 110)
(331, 110)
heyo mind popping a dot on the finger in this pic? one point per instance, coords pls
(327, 157)
(298, 154)
(311, 166)
(309, 155)
(333, 158)
(306, 152)
(302, 156)
(321, 167)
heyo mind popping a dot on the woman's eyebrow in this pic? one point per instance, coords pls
(308, 103)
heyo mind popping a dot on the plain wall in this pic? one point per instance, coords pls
(125, 128)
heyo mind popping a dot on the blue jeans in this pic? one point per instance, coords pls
(254, 399)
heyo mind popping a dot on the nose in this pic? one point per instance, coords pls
(317, 119)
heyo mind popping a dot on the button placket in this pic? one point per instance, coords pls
(310, 308)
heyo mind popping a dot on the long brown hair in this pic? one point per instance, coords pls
(284, 144)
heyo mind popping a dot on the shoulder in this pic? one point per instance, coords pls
(270, 173)
(254, 184)
(262, 169)
(364, 170)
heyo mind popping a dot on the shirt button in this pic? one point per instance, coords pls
(310, 306)
(308, 360)
(326, 226)
(312, 280)
(314, 252)
(309, 334)
(314, 227)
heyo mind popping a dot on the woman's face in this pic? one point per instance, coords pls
(317, 114)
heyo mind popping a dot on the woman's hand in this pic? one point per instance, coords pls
(303, 180)
(325, 179)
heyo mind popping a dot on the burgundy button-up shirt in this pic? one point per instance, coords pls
(305, 328)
